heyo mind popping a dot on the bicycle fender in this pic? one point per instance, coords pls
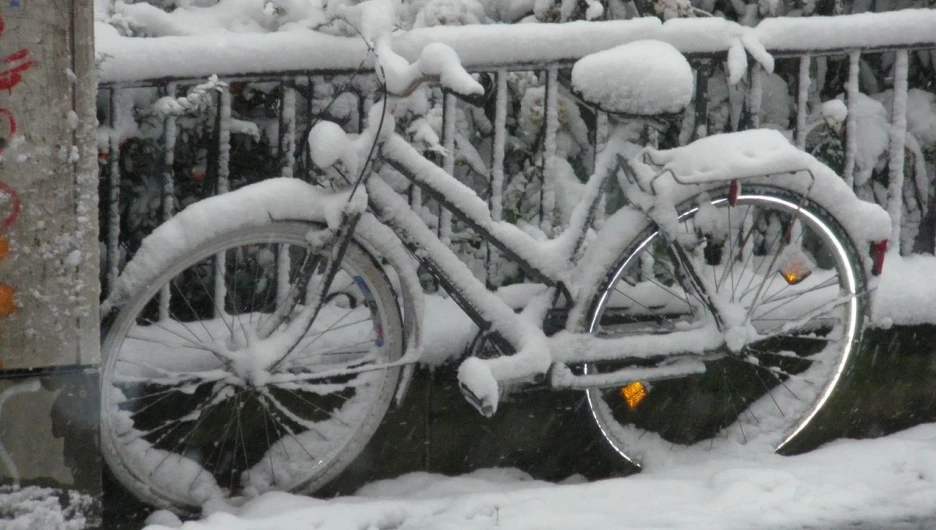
(865, 223)
(379, 240)
(765, 156)
(277, 199)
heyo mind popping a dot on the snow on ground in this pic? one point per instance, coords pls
(40, 508)
(876, 483)
(907, 293)
(848, 483)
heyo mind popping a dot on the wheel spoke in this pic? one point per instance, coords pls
(804, 332)
(174, 387)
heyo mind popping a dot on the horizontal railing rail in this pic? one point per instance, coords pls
(127, 60)
(296, 63)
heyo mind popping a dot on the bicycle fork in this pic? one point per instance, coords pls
(693, 279)
(316, 297)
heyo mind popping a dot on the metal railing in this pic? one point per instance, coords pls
(295, 105)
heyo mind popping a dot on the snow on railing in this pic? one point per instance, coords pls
(294, 59)
(489, 47)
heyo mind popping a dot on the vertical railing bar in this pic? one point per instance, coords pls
(288, 130)
(280, 145)
(168, 195)
(362, 110)
(755, 95)
(224, 140)
(416, 199)
(898, 134)
(287, 136)
(500, 136)
(851, 123)
(548, 193)
(113, 210)
(602, 131)
(700, 109)
(497, 159)
(310, 100)
(449, 107)
(224, 159)
(802, 100)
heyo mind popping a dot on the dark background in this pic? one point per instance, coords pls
(892, 386)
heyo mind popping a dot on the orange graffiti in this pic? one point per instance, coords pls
(8, 304)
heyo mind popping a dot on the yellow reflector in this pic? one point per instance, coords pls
(795, 266)
(634, 394)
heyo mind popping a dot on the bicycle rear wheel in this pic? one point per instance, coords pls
(787, 264)
(193, 410)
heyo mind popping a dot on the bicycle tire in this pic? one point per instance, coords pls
(753, 400)
(180, 427)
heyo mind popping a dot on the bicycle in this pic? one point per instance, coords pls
(730, 290)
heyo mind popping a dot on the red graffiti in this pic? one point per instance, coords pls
(12, 77)
(15, 203)
(16, 65)
(11, 121)
(9, 79)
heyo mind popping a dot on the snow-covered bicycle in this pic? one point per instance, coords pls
(256, 339)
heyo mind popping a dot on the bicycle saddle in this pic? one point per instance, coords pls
(640, 78)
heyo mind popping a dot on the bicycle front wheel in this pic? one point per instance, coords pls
(785, 265)
(192, 409)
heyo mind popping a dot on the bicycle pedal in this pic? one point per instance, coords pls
(485, 408)
(478, 385)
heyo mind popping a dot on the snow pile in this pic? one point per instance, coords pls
(878, 483)
(834, 111)
(907, 293)
(38, 508)
(921, 114)
(741, 154)
(639, 78)
(872, 134)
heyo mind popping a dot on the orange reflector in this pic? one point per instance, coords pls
(792, 278)
(796, 266)
(634, 394)
(7, 300)
(4, 248)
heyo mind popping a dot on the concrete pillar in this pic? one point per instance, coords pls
(49, 259)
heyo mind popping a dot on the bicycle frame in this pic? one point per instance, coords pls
(521, 248)
(536, 258)
(531, 349)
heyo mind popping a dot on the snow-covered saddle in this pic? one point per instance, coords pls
(640, 78)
